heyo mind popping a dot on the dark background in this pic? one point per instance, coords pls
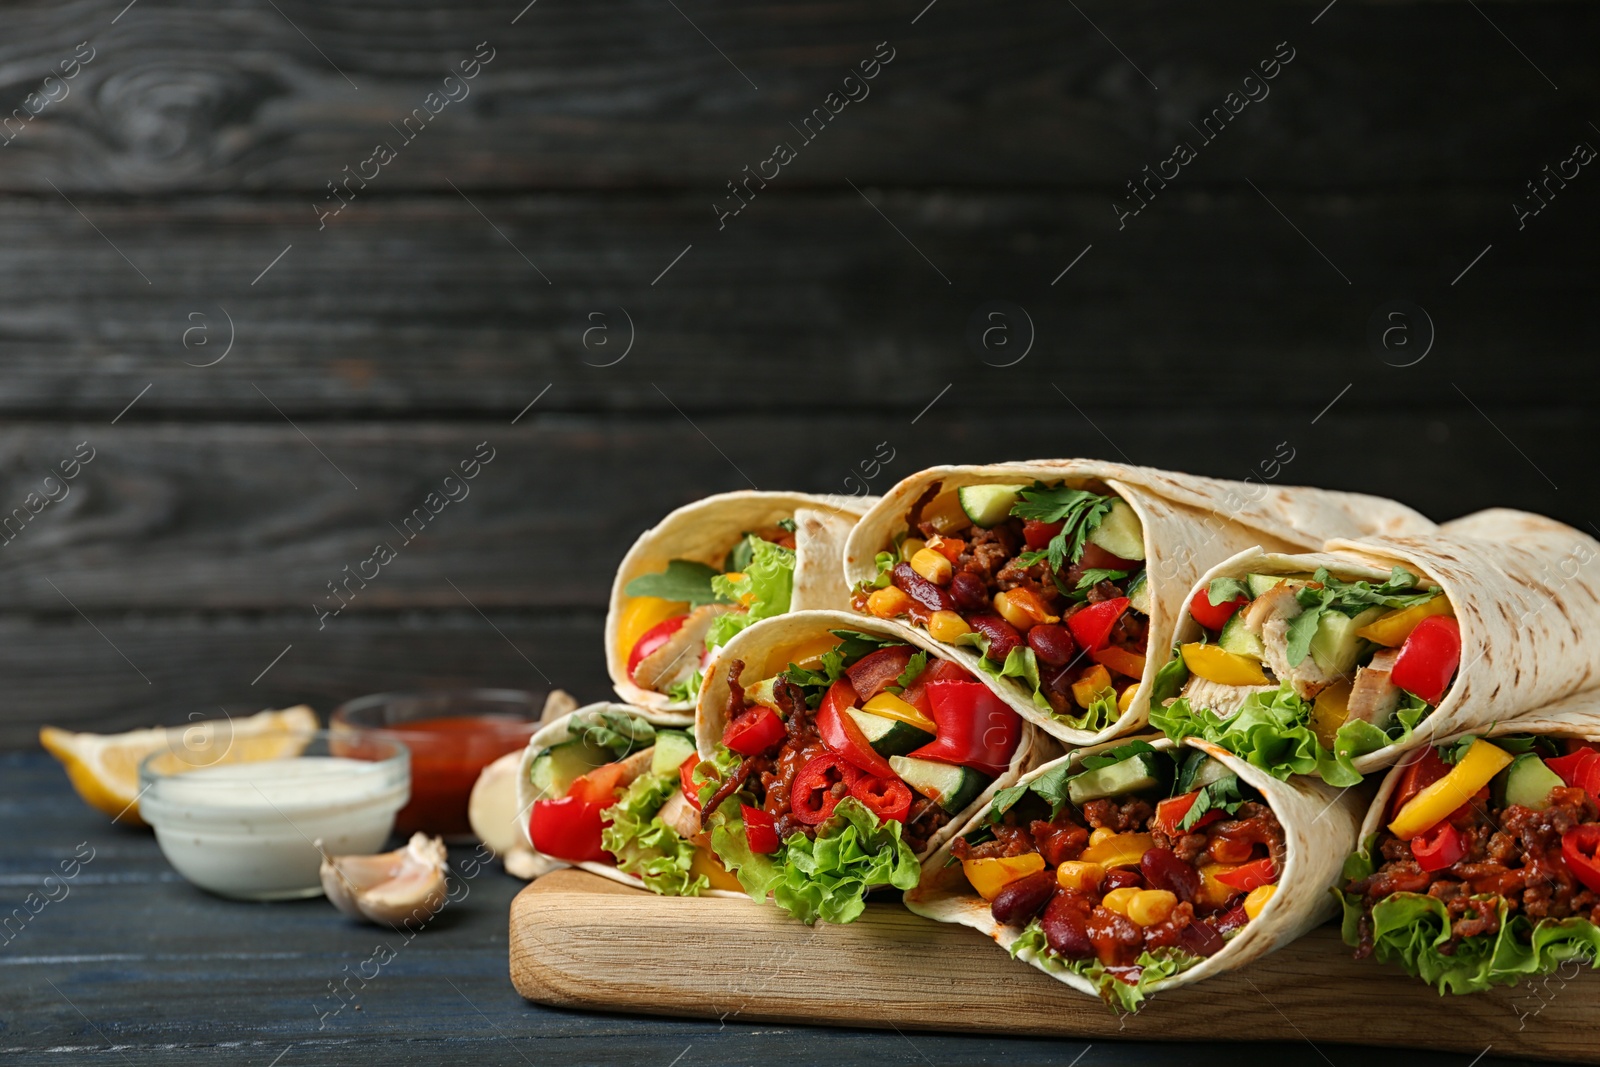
(143, 216)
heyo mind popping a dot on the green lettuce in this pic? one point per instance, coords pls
(1273, 732)
(826, 878)
(1120, 996)
(1411, 929)
(688, 690)
(768, 583)
(1023, 665)
(646, 846)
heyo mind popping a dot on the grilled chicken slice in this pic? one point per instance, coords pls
(1268, 617)
(681, 815)
(679, 658)
(1374, 697)
(1220, 699)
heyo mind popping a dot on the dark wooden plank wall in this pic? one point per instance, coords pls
(145, 211)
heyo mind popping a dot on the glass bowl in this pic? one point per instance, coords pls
(251, 817)
(453, 735)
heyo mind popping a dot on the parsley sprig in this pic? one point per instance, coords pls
(1079, 510)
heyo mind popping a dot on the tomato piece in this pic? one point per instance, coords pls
(691, 791)
(887, 798)
(1248, 876)
(1214, 616)
(1425, 768)
(754, 732)
(1578, 848)
(872, 672)
(652, 639)
(813, 796)
(1038, 534)
(1438, 847)
(568, 828)
(1091, 627)
(976, 728)
(1170, 813)
(1429, 658)
(1096, 558)
(599, 786)
(841, 734)
(760, 830)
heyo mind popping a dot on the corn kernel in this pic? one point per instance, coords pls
(1010, 611)
(910, 547)
(1257, 900)
(1080, 877)
(1090, 685)
(932, 566)
(1099, 834)
(947, 626)
(1150, 906)
(888, 602)
(1125, 701)
(1118, 899)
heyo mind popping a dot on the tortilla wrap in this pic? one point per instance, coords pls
(765, 649)
(1190, 523)
(705, 530)
(1319, 825)
(553, 734)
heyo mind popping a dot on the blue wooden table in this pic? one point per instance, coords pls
(127, 963)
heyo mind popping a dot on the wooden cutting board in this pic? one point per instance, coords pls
(584, 942)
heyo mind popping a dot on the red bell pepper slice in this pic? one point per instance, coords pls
(841, 734)
(1170, 813)
(873, 672)
(946, 670)
(1429, 658)
(760, 830)
(568, 828)
(887, 798)
(1575, 768)
(1425, 768)
(812, 798)
(1248, 876)
(1091, 627)
(599, 786)
(1578, 848)
(754, 732)
(1214, 616)
(691, 789)
(976, 728)
(653, 639)
(1438, 847)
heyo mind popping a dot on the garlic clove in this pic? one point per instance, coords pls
(492, 807)
(405, 887)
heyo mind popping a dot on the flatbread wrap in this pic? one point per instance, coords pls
(1057, 577)
(1338, 663)
(711, 568)
(1143, 864)
(837, 752)
(1477, 865)
(601, 788)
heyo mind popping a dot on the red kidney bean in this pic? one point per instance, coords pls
(1052, 643)
(920, 589)
(1164, 870)
(1020, 901)
(1232, 919)
(1066, 925)
(1122, 878)
(1003, 637)
(1201, 938)
(1058, 680)
(969, 592)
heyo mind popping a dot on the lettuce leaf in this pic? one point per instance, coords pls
(1120, 996)
(688, 690)
(826, 878)
(1411, 929)
(1023, 665)
(1273, 732)
(646, 846)
(764, 588)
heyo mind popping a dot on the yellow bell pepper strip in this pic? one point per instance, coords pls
(1393, 629)
(640, 614)
(1216, 664)
(1213, 893)
(1330, 711)
(993, 873)
(705, 862)
(1435, 803)
(1094, 682)
(1119, 850)
(891, 706)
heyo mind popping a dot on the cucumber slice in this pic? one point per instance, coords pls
(1199, 771)
(1236, 639)
(1139, 593)
(1529, 781)
(672, 748)
(1132, 775)
(1120, 532)
(1336, 646)
(555, 769)
(947, 785)
(988, 505)
(888, 737)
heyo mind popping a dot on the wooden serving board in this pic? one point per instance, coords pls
(581, 941)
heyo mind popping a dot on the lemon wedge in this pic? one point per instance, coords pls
(104, 768)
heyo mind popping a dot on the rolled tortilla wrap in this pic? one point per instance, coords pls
(680, 865)
(1525, 592)
(1412, 928)
(704, 532)
(1187, 524)
(1317, 822)
(796, 879)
